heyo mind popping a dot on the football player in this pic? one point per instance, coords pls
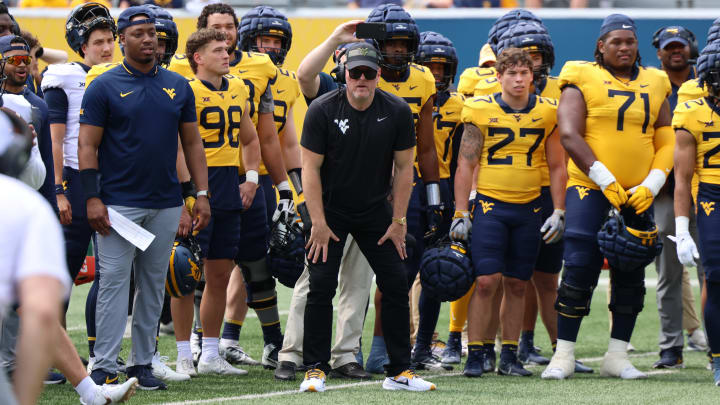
(692, 89)
(470, 77)
(438, 54)
(506, 136)
(695, 150)
(266, 30)
(91, 33)
(258, 73)
(415, 84)
(222, 106)
(614, 122)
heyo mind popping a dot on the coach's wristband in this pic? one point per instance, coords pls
(251, 176)
(90, 183)
(188, 189)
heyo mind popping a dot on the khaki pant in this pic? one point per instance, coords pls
(690, 319)
(355, 281)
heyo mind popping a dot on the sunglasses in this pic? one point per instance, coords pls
(19, 59)
(370, 74)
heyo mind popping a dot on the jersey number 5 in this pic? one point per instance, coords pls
(219, 125)
(630, 99)
(509, 137)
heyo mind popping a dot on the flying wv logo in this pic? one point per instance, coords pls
(708, 207)
(486, 206)
(342, 124)
(582, 192)
(170, 93)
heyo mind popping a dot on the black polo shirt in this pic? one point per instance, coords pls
(358, 147)
(141, 115)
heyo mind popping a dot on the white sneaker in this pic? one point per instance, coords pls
(218, 365)
(186, 366)
(314, 381)
(562, 366)
(235, 354)
(408, 381)
(697, 341)
(162, 372)
(617, 364)
(90, 365)
(112, 394)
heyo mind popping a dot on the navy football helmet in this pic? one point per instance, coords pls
(502, 24)
(286, 256)
(708, 68)
(435, 48)
(82, 20)
(399, 25)
(446, 271)
(629, 241)
(533, 37)
(185, 268)
(166, 31)
(265, 20)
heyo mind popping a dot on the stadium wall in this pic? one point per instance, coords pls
(573, 31)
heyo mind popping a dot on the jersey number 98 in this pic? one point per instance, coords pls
(219, 124)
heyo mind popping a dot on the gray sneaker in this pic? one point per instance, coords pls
(235, 354)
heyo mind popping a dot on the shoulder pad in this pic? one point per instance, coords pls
(57, 75)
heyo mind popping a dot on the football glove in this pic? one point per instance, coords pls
(554, 227)
(641, 199)
(461, 226)
(189, 204)
(286, 206)
(612, 190)
(686, 250)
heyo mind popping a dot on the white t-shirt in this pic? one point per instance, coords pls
(32, 240)
(34, 173)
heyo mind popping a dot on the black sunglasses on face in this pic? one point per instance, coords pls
(370, 74)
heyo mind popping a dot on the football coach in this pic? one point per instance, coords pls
(129, 123)
(356, 141)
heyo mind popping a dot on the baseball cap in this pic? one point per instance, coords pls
(617, 22)
(362, 54)
(6, 46)
(130, 12)
(673, 34)
(486, 55)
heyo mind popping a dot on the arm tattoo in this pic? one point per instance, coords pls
(472, 142)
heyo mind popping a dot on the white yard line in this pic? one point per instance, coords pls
(279, 393)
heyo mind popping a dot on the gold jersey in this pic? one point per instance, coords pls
(513, 146)
(286, 92)
(447, 119)
(97, 70)
(548, 88)
(471, 76)
(415, 88)
(620, 119)
(696, 117)
(219, 113)
(691, 90)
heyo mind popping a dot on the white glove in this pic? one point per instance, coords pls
(286, 206)
(554, 227)
(686, 250)
(461, 226)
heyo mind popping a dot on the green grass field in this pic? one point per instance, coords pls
(692, 385)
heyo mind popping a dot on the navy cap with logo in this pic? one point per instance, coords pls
(6, 44)
(362, 54)
(131, 12)
(673, 34)
(615, 22)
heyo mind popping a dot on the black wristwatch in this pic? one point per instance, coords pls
(59, 189)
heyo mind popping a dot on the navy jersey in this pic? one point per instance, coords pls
(141, 115)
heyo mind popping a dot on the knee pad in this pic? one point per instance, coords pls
(257, 280)
(627, 299)
(573, 301)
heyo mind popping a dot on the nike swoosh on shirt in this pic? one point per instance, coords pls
(642, 86)
(123, 95)
(450, 112)
(242, 71)
(233, 97)
(280, 91)
(535, 119)
(413, 87)
(380, 119)
(537, 209)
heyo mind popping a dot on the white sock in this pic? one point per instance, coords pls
(565, 346)
(86, 389)
(228, 342)
(616, 345)
(183, 349)
(210, 348)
